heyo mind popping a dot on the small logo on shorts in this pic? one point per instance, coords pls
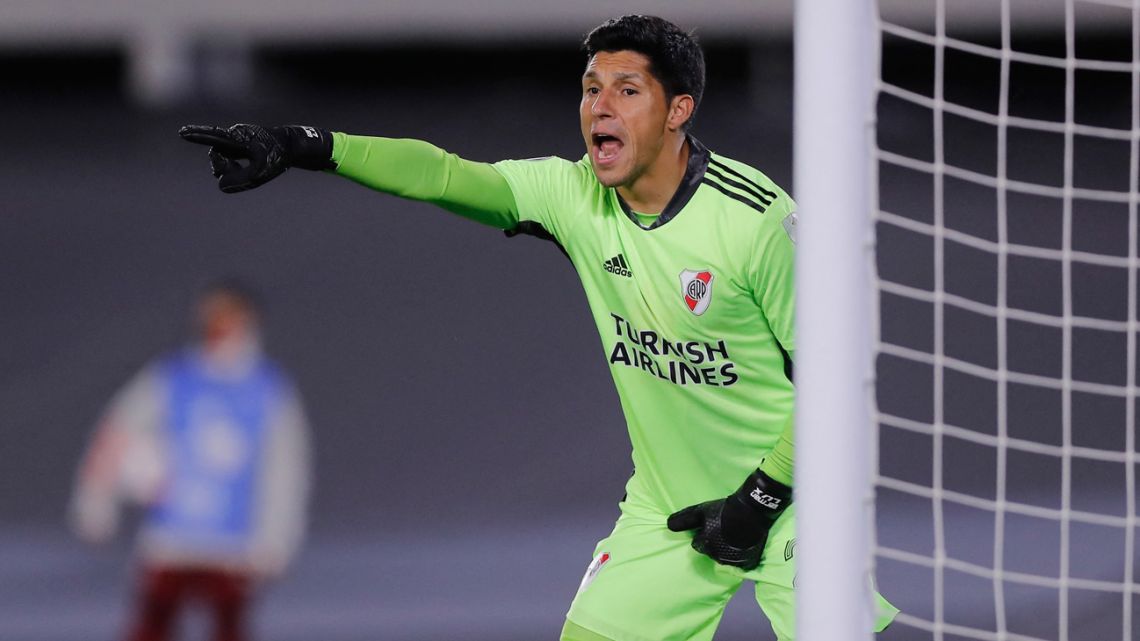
(789, 549)
(595, 567)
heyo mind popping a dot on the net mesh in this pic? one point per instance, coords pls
(1006, 273)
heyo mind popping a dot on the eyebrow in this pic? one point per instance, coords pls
(624, 75)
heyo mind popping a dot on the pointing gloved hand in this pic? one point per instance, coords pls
(247, 156)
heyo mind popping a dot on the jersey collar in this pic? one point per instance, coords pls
(694, 172)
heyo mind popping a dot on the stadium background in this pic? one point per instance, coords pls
(470, 447)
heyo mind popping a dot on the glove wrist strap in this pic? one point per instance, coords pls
(765, 494)
(308, 147)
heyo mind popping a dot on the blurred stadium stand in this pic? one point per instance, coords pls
(177, 49)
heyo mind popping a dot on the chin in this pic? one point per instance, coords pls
(611, 177)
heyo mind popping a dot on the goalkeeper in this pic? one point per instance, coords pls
(686, 258)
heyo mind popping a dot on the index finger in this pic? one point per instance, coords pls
(209, 135)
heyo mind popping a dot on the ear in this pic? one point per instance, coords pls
(680, 110)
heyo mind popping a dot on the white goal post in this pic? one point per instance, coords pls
(833, 128)
(968, 174)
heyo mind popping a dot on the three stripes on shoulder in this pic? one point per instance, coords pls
(737, 186)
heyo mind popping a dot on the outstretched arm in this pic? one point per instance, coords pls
(421, 171)
(244, 157)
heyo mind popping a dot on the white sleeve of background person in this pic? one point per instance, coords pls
(284, 489)
(124, 459)
(833, 118)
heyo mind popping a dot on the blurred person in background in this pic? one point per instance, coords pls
(213, 443)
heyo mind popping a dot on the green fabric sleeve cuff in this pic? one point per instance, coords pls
(780, 464)
(418, 170)
(340, 146)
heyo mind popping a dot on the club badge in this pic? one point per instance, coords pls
(696, 288)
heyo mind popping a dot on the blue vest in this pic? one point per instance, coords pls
(216, 431)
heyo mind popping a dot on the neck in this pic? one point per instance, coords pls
(650, 192)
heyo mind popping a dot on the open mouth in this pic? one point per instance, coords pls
(606, 148)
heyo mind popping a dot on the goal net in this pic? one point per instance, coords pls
(1006, 273)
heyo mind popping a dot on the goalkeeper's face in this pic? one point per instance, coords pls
(625, 116)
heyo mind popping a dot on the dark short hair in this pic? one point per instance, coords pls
(675, 58)
(237, 289)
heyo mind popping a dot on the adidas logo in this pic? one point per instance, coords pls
(617, 265)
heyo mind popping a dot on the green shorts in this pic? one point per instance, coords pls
(648, 584)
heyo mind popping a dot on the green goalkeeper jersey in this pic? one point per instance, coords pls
(694, 306)
(695, 309)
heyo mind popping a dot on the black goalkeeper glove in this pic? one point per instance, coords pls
(267, 152)
(733, 530)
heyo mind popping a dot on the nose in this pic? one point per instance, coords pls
(601, 106)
